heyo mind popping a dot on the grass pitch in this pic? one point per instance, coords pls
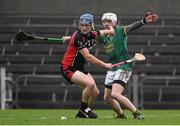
(105, 117)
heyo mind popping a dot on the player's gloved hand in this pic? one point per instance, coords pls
(149, 18)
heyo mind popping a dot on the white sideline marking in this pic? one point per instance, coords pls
(43, 118)
(172, 115)
(30, 118)
(105, 117)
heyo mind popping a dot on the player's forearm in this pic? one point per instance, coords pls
(107, 32)
(148, 18)
(92, 59)
(134, 26)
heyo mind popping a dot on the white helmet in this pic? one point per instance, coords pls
(110, 16)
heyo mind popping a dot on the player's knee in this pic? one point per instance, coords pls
(114, 95)
(96, 92)
(107, 99)
(93, 89)
(91, 85)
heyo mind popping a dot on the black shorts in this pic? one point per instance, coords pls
(68, 72)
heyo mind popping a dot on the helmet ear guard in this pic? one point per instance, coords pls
(93, 26)
(110, 16)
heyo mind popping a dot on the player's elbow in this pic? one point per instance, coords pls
(88, 57)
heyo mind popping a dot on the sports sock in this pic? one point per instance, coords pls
(83, 106)
(136, 113)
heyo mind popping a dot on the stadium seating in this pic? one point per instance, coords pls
(35, 65)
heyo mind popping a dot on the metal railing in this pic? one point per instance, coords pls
(35, 76)
(166, 85)
(135, 90)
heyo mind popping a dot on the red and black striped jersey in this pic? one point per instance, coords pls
(72, 56)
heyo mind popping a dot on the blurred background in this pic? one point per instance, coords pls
(30, 70)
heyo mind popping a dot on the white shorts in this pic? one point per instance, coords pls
(119, 76)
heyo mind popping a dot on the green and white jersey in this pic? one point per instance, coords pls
(116, 48)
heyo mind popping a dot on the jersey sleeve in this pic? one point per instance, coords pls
(122, 31)
(78, 42)
(96, 33)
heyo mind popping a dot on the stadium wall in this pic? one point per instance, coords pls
(132, 7)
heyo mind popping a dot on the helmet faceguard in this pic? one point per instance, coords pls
(110, 16)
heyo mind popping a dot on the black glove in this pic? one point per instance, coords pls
(144, 19)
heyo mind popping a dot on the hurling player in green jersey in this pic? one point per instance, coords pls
(116, 49)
